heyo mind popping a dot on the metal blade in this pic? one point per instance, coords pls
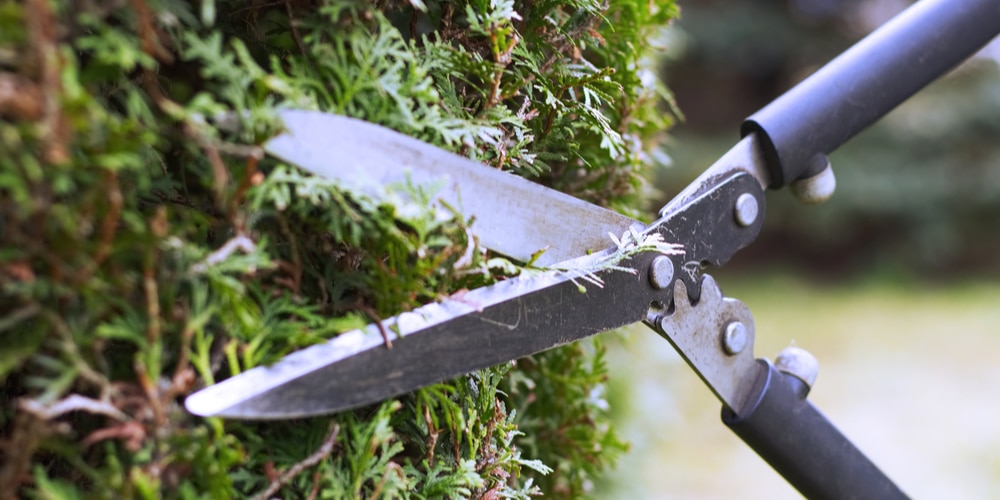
(513, 216)
(439, 341)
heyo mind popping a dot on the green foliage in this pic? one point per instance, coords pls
(148, 248)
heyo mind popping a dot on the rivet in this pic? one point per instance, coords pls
(661, 272)
(746, 209)
(734, 339)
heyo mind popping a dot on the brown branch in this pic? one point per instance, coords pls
(158, 225)
(321, 453)
(295, 267)
(432, 436)
(370, 312)
(177, 200)
(17, 450)
(315, 489)
(414, 18)
(295, 30)
(111, 218)
(389, 468)
(152, 392)
(20, 98)
(184, 376)
(249, 179)
(54, 127)
(132, 433)
(148, 33)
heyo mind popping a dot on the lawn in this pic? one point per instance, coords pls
(908, 371)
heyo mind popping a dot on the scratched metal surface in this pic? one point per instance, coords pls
(436, 342)
(513, 216)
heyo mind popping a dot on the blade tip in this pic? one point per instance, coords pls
(201, 404)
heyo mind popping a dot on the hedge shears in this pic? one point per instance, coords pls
(783, 144)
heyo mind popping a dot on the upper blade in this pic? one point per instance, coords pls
(439, 341)
(513, 216)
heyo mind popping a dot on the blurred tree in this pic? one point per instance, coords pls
(919, 191)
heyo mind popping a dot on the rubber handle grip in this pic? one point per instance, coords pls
(867, 81)
(791, 435)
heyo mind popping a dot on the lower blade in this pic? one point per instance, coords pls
(513, 216)
(487, 326)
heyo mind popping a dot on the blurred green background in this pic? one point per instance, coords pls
(894, 284)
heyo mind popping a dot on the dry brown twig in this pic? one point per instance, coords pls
(390, 468)
(20, 98)
(54, 127)
(321, 453)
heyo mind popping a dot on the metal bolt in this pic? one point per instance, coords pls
(798, 363)
(734, 340)
(661, 272)
(746, 209)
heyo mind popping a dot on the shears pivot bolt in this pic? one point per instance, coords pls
(734, 339)
(661, 272)
(746, 209)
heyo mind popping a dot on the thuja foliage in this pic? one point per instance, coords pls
(149, 248)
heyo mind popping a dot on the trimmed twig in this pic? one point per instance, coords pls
(321, 453)
(241, 242)
(73, 402)
(471, 245)
(370, 312)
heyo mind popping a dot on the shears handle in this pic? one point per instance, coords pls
(841, 99)
(791, 435)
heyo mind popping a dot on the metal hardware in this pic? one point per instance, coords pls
(433, 343)
(734, 340)
(746, 209)
(798, 363)
(512, 215)
(693, 329)
(661, 272)
(745, 156)
(710, 205)
(817, 189)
